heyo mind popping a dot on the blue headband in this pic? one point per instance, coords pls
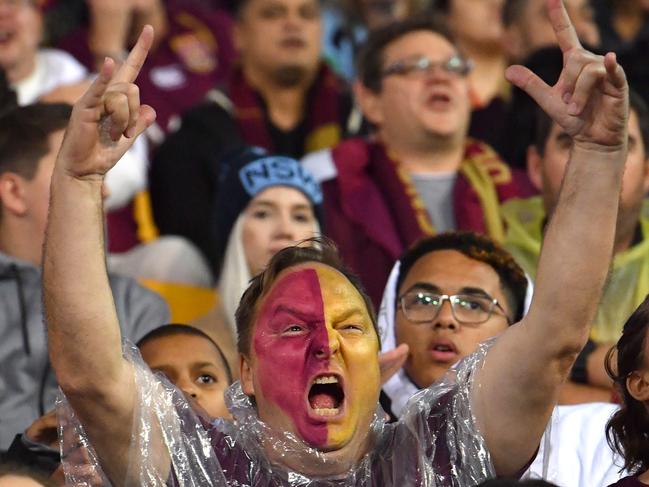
(278, 171)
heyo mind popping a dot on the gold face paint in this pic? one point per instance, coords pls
(315, 333)
(354, 351)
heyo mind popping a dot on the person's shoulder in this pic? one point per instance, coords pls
(140, 310)
(62, 63)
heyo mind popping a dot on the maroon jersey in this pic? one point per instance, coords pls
(195, 55)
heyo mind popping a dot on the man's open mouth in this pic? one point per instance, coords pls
(326, 395)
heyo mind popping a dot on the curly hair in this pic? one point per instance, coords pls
(476, 247)
(627, 432)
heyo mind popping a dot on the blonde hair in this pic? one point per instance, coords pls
(235, 273)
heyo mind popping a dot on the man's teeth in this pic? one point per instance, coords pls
(328, 379)
(327, 411)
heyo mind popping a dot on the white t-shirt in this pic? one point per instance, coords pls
(579, 455)
(54, 68)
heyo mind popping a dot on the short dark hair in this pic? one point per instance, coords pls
(174, 329)
(24, 133)
(316, 250)
(369, 62)
(477, 247)
(543, 124)
(627, 432)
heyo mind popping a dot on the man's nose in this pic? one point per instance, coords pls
(445, 318)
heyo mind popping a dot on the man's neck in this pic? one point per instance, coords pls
(286, 104)
(487, 75)
(426, 158)
(305, 460)
(16, 242)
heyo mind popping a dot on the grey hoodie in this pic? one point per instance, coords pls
(27, 384)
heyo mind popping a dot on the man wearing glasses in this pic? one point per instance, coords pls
(420, 174)
(485, 290)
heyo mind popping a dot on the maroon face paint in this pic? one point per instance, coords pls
(292, 346)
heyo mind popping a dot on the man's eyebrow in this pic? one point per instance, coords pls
(349, 313)
(423, 286)
(296, 311)
(475, 291)
(200, 365)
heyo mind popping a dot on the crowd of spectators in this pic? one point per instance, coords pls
(386, 126)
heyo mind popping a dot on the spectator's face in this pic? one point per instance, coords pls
(547, 172)
(419, 108)
(313, 366)
(477, 22)
(279, 34)
(192, 364)
(20, 35)
(276, 218)
(438, 344)
(533, 30)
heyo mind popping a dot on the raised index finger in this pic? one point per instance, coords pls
(131, 67)
(563, 28)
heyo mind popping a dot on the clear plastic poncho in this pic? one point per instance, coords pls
(436, 442)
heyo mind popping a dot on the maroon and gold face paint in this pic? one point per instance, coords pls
(316, 357)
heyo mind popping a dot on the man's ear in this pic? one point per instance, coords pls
(638, 385)
(12, 193)
(369, 102)
(246, 376)
(535, 167)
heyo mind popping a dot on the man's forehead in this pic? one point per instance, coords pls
(419, 43)
(298, 286)
(451, 271)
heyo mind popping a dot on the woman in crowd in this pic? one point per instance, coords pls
(628, 429)
(271, 202)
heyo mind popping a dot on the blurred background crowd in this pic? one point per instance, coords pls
(381, 124)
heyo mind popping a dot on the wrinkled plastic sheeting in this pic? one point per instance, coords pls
(435, 444)
(164, 425)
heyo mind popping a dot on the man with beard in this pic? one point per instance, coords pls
(306, 405)
(628, 284)
(281, 98)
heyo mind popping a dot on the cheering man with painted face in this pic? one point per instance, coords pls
(305, 410)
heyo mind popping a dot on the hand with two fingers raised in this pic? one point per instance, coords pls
(108, 118)
(590, 99)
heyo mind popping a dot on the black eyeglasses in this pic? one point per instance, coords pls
(424, 307)
(455, 65)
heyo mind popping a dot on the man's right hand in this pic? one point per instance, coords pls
(108, 118)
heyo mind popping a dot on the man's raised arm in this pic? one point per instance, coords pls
(519, 383)
(82, 324)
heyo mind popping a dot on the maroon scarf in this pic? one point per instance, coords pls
(374, 201)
